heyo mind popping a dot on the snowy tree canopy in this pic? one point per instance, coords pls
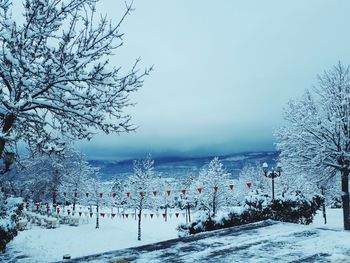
(317, 132)
(55, 73)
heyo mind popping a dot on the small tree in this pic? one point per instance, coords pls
(214, 182)
(189, 198)
(77, 175)
(118, 193)
(140, 185)
(254, 175)
(97, 196)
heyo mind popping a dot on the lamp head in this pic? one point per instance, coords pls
(265, 167)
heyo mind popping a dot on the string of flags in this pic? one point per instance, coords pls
(141, 194)
(90, 213)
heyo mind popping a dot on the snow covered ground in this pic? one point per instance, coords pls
(46, 245)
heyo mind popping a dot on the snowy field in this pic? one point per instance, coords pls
(46, 245)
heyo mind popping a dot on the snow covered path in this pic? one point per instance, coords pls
(267, 241)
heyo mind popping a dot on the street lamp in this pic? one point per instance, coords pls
(272, 174)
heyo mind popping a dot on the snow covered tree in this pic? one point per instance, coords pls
(55, 73)
(78, 172)
(250, 174)
(188, 199)
(118, 193)
(214, 183)
(97, 195)
(316, 135)
(140, 186)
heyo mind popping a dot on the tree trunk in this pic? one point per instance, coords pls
(6, 126)
(97, 218)
(189, 212)
(54, 200)
(214, 204)
(345, 198)
(139, 226)
(166, 213)
(324, 206)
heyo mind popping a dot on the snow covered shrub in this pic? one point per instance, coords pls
(10, 211)
(296, 207)
(293, 208)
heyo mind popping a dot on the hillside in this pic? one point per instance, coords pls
(178, 167)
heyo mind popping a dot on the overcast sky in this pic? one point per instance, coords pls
(224, 70)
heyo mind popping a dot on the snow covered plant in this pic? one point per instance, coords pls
(10, 211)
(315, 141)
(250, 173)
(139, 187)
(56, 76)
(293, 207)
(214, 183)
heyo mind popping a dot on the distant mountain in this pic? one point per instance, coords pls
(179, 167)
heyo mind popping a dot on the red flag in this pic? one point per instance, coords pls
(65, 194)
(58, 210)
(126, 215)
(91, 214)
(54, 194)
(168, 192)
(128, 194)
(113, 215)
(68, 211)
(183, 191)
(177, 215)
(87, 194)
(102, 214)
(231, 186)
(101, 194)
(151, 215)
(80, 213)
(164, 215)
(199, 190)
(216, 189)
(154, 193)
(249, 185)
(114, 194)
(141, 194)
(75, 194)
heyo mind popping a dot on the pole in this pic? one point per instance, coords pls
(273, 186)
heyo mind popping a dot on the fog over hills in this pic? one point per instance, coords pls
(179, 167)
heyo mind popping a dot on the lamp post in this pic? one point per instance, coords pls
(272, 174)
